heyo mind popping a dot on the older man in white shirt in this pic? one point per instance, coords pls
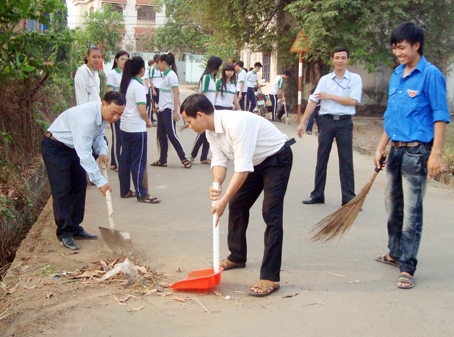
(338, 93)
(67, 153)
(263, 161)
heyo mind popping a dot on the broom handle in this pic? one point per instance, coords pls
(108, 200)
(215, 238)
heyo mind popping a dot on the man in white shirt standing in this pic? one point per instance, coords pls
(252, 80)
(263, 161)
(277, 88)
(67, 154)
(338, 93)
(241, 84)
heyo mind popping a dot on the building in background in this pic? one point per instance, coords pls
(140, 17)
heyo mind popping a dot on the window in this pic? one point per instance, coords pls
(266, 59)
(117, 8)
(146, 13)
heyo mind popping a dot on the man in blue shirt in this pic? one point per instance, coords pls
(415, 123)
(67, 153)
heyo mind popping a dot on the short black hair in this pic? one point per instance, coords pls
(196, 103)
(287, 73)
(341, 49)
(258, 64)
(410, 32)
(116, 97)
(240, 64)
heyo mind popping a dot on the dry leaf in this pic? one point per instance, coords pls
(148, 275)
(290, 295)
(73, 253)
(122, 300)
(50, 295)
(32, 287)
(150, 291)
(179, 299)
(164, 285)
(217, 293)
(143, 270)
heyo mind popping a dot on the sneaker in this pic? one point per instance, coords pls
(206, 162)
(191, 159)
(69, 243)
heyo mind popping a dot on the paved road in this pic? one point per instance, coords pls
(338, 288)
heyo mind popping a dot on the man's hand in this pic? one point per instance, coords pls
(105, 188)
(301, 129)
(240, 95)
(323, 95)
(378, 156)
(434, 165)
(218, 207)
(149, 124)
(103, 159)
(215, 194)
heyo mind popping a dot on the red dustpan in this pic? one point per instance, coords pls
(204, 279)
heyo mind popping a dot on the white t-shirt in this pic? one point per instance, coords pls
(166, 97)
(245, 138)
(135, 95)
(156, 77)
(251, 79)
(277, 84)
(208, 87)
(226, 98)
(114, 79)
(86, 84)
(242, 76)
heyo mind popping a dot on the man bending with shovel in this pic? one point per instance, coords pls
(67, 154)
(263, 161)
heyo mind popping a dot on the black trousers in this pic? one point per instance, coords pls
(201, 141)
(272, 177)
(68, 185)
(243, 101)
(342, 131)
(116, 143)
(273, 99)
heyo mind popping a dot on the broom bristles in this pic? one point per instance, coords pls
(340, 221)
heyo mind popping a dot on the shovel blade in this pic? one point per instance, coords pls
(119, 241)
(203, 279)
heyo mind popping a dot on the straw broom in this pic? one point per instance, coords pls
(340, 221)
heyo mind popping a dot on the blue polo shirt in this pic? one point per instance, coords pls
(415, 103)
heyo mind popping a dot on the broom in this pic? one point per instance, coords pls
(340, 221)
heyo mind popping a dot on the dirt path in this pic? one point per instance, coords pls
(332, 289)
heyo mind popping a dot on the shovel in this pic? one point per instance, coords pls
(119, 241)
(204, 279)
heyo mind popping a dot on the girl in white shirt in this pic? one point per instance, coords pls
(86, 80)
(169, 103)
(113, 83)
(226, 98)
(134, 124)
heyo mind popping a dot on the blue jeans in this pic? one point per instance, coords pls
(406, 173)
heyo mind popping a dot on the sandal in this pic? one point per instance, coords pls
(130, 194)
(186, 163)
(404, 278)
(309, 132)
(158, 163)
(385, 259)
(148, 200)
(113, 167)
(267, 287)
(226, 264)
(206, 162)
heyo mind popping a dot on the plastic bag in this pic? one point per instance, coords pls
(127, 268)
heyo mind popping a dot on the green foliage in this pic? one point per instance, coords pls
(180, 38)
(365, 27)
(102, 28)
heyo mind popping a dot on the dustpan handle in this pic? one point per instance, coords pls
(108, 199)
(215, 238)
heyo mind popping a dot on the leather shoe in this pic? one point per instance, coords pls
(69, 243)
(312, 201)
(84, 235)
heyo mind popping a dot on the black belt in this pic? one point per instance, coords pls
(287, 144)
(49, 135)
(338, 117)
(408, 144)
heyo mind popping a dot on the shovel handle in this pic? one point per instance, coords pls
(108, 200)
(216, 259)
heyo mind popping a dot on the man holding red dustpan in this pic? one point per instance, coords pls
(263, 161)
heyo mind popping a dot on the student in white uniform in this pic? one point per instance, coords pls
(169, 104)
(277, 88)
(251, 81)
(86, 80)
(155, 83)
(113, 83)
(134, 124)
(207, 86)
(241, 86)
(226, 98)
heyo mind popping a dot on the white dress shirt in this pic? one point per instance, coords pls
(349, 86)
(86, 85)
(243, 137)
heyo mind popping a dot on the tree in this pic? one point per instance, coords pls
(365, 27)
(102, 28)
